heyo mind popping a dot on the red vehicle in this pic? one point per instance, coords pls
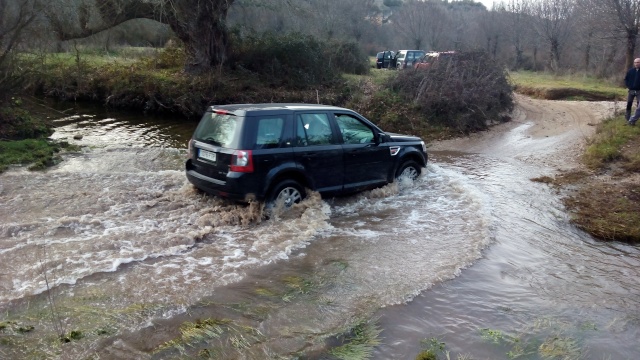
(429, 58)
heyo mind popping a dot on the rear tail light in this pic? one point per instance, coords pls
(242, 161)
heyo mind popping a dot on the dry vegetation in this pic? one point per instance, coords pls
(604, 199)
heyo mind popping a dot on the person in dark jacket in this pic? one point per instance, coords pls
(632, 82)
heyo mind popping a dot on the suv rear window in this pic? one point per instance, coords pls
(217, 129)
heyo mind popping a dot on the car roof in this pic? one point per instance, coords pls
(256, 109)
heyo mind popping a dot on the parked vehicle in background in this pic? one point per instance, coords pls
(407, 58)
(431, 57)
(274, 152)
(384, 59)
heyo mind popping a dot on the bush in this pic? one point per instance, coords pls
(17, 123)
(348, 57)
(465, 92)
(294, 59)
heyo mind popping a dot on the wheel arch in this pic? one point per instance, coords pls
(411, 155)
(285, 174)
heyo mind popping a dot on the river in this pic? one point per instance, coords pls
(114, 249)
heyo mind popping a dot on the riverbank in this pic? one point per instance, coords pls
(599, 190)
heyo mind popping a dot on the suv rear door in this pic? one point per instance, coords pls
(367, 162)
(215, 139)
(318, 150)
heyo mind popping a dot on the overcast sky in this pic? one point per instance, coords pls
(487, 3)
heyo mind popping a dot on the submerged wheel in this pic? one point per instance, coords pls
(409, 169)
(287, 191)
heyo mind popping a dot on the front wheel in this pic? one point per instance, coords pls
(409, 169)
(287, 192)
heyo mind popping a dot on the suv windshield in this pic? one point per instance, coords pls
(217, 129)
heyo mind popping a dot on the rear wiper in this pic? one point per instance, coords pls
(212, 141)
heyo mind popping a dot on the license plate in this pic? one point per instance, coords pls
(207, 155)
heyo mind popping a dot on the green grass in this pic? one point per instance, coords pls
(609, 210)
(96, 57)
(538, 83)
(38, 152)
(359, 342)
(607, 145)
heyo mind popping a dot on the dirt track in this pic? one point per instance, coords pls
(548, 132)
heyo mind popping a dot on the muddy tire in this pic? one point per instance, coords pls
(287, 191)
(409, 169)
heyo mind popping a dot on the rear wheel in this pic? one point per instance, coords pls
(409, 169)
(288, 192)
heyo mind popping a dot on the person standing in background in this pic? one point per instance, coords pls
(632, 82)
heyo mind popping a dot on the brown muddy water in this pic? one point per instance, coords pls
(115, 250)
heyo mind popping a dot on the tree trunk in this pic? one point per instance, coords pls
(554, 55)
(200, 24)
(632, 35)
(495, 46)
(519, 58)
(587, 58)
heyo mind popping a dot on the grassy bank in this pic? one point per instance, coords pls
(604, 200)
(156, 84)
(38, 153)
(566, 87)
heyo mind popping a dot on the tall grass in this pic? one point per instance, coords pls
(607, 145)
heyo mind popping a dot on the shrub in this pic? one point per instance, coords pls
(466, 92)
(294, 59)
(348, 57)
(18, 123)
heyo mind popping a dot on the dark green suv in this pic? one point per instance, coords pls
(276, 151)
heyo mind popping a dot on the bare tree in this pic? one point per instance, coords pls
(200, 24)
(411, 21)
(517, 21)
(624, 15)
(438, 24)
(465, 24)
(594, 28)
(15, 18)
(491, 24)
(553, 20)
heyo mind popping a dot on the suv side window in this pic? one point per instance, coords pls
(313, 129)
(353, 130)
(269, 133)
